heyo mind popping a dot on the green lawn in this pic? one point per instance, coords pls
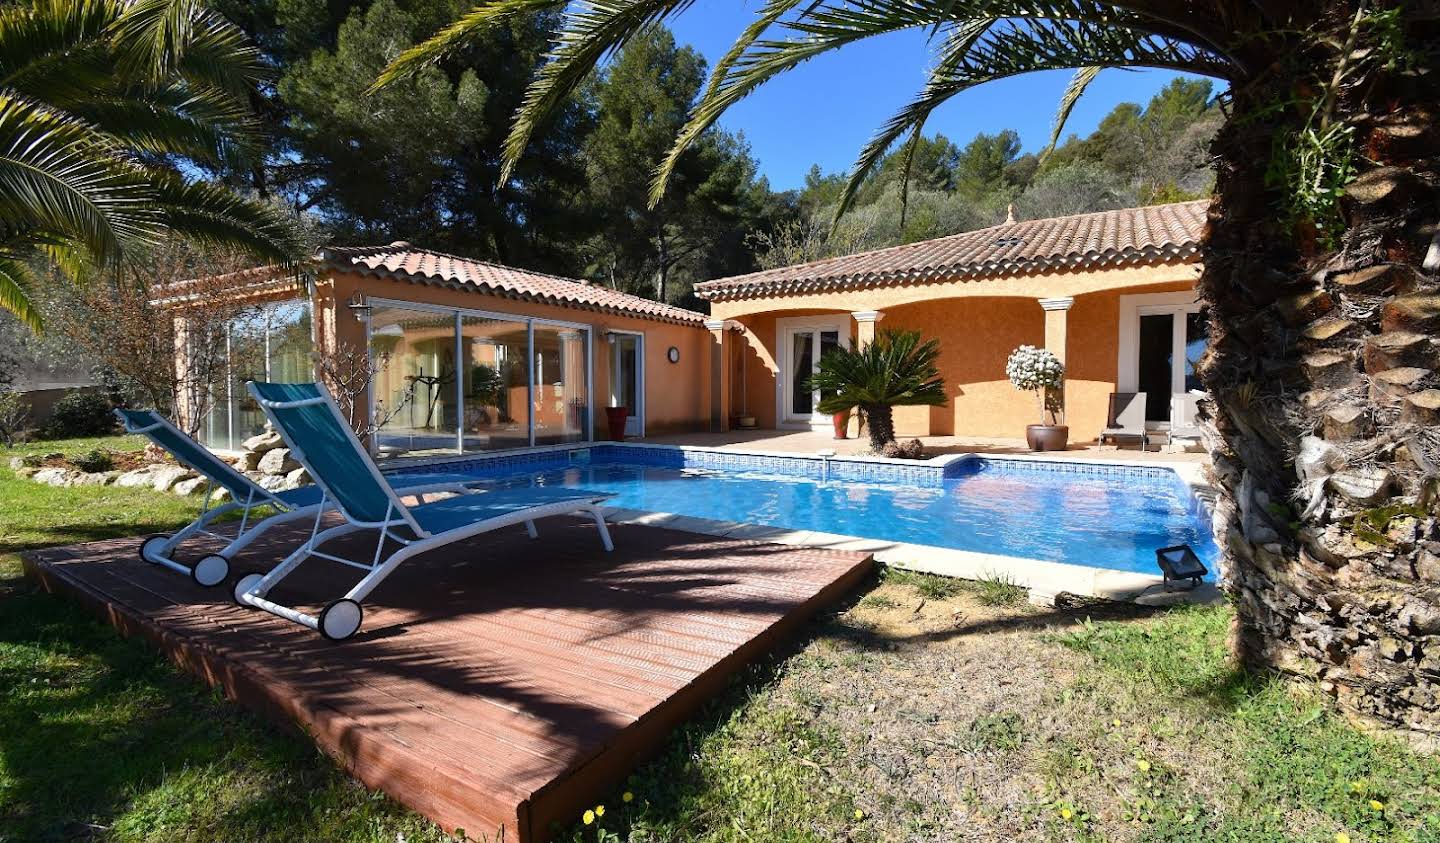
(926, 709)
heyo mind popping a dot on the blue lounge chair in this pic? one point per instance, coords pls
(245, 496)
(318, 436)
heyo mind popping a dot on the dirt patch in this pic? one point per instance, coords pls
(120, 460)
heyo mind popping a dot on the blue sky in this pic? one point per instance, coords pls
(824, 111)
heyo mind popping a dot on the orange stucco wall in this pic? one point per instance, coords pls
(977, 332)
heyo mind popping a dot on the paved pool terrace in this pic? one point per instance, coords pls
(1043, 578)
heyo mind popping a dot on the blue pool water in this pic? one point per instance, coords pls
(1026, 509)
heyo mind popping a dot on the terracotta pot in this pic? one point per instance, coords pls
(615, 417)
(1047, 437)
(842, 424)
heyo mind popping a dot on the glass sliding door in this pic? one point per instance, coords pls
(562, 385)
(627, 379)
(805, 345)
(1169, 342)
(414, 391)
(496, 394)
(455, 381)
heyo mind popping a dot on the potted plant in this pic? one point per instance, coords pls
(1040, 371)
(615, 417)
(841, 420)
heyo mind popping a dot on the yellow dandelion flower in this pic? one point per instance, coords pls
(589, 817)
(1142, 765)
(859, 814)
(627, 796)
(1342, 837)
(1115, 722)
(1377, 804)
(1357, 786)
(1066, 813)
(599, 810)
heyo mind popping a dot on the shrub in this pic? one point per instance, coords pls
(94, 460)
(80, 413)
(14, 413)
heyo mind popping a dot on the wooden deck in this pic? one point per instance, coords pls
(501, 685)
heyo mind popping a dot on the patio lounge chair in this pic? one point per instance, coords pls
(1189, 406)
(1127, 419)
(245, 497)
(318, 436)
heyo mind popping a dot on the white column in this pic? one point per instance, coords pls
(865, 326)
(720, 352)
(1056, 312)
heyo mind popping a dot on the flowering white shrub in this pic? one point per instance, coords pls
(1037, 369)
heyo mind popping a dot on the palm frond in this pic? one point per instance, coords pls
(1015, 48)
(36, 37)
(898, 369)
(213, 214)
(698, 122)
(466, 28)
(57, 174)
(159, 39)
(1073, 92)
(589, 32)
(16, 281)
(204, 126)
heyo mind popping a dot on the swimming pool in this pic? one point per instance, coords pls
(1097, 515)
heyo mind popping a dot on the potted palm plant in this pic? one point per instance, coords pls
(896, 370)
(1038, 370)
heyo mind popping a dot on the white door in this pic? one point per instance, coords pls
(627, 379)
(1169, 342)
(803, 346)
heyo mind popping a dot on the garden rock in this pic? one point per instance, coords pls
(297, 478)
(17, 463)
(95, 478)
(142, 476)
(166, 476)
(278, 462)
(189, 487)
(259, 444)
(28, 471)
(272, 482)
(56, 476)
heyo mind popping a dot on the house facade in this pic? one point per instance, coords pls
(456, 355)
(459, 355)
(1112, 294)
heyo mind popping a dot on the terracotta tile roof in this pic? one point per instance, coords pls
(1157, 234)
(423, 266)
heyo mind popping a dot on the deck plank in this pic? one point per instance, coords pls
(484, 693)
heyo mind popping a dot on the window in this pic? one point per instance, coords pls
(269, 342)
(455, 381)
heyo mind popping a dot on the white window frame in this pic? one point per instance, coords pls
(634, 426)
(1132, 307)
(784, 331)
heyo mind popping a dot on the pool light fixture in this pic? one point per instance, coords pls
(1180, 563)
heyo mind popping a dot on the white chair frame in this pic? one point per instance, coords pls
(213, 568)
(341, 618)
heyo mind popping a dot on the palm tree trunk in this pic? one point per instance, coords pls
(1322, 367)
(880, 421)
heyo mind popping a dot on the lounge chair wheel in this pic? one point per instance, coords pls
(211, 570)
(341, 619)
(243, 585)
(150, 548)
